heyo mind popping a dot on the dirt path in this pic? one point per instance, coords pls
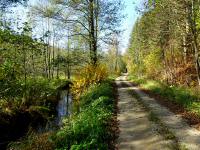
(136, 131)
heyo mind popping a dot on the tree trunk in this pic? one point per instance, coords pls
(185, 34)
(116, 54)
(58, 65)
(33, 62)
(196, 50)
(53, 57)
(48, 50)
(193, 17)
(25, 71)
(93, 50)
(68, 58)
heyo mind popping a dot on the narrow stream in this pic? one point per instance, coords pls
(64, 107)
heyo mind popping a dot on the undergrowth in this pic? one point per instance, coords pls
(88, 129)
(38, 92)
(189, 98)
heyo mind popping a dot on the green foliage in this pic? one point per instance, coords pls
(114, 61)
(85, 130)
(94, 92)
(159, 46)
(152, 64)
(186, 97)
(42, 87)
(38, 93)
(9, 86)
(34, 142)
(89, 128)
(30, 60)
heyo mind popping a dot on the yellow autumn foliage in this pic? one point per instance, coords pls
(152, 64)
(88, 75)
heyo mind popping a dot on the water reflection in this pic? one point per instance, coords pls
(64, 107)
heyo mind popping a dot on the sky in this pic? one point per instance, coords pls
(128, 22)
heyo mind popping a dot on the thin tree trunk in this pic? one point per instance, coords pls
(49, 51)
(193, 17)
(92, 32)
(53, 55)
(33, 63)
(25, 72)
(68, 58)
(185, 48)
(44, 51)
(58, 65)
(197, 61)
(116, 54)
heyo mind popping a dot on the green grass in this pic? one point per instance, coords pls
(94, 92)
(36, 93)
(113, 76)
(89, 129)
(187, 97)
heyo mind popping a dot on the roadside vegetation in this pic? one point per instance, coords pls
(58, 45)
(163, 53)
(182, 98)
(90, 125)
(90, 128)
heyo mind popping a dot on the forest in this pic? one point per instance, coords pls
(66, 83)
(163, 53)
(56, 46)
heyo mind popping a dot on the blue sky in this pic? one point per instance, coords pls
(128, 22)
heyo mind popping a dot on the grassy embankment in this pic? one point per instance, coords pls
(88, 129)
(186, 97)
(25, 107)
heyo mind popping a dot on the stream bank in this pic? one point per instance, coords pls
(14, 127)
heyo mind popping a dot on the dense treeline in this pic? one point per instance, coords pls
(164, 44)
(163, 55)
(54, 44)
(26, 61)
(53, 41)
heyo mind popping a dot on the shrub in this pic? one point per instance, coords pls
(94, 92)
(188, 98)
(89, 75)
(88, 129)
(152, 64)
(34, 142)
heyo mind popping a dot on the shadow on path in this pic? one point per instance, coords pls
(136, 131)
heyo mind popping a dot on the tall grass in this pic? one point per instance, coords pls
(89, 129)
(189, 98)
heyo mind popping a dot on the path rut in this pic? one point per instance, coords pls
(136, 131)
